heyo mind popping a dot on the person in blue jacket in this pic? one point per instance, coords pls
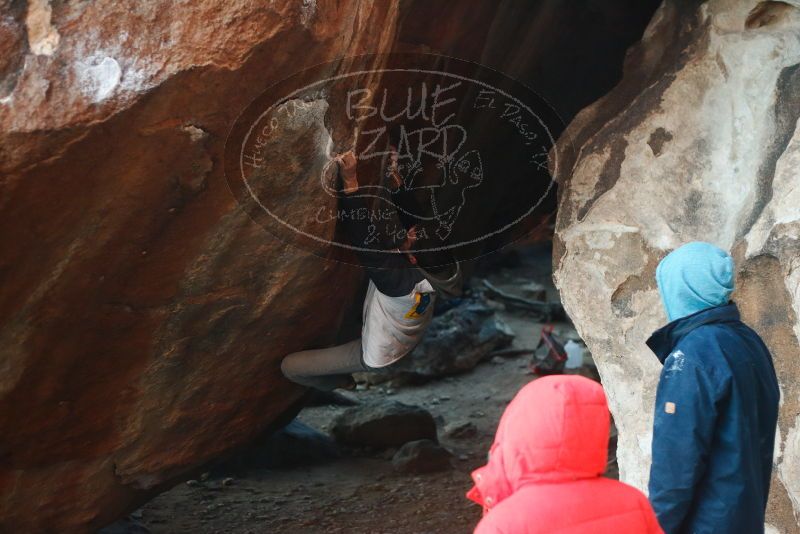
(716, 404)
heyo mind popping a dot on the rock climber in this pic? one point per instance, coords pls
(716, 404)
(544, 473)
(400, 298)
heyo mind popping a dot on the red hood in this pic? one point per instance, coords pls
(555, 429)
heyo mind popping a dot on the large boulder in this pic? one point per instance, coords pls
(144, 315)
(699, 141)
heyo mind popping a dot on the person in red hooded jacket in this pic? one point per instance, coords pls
(546, 464)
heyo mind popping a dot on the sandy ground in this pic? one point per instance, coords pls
(363, 493)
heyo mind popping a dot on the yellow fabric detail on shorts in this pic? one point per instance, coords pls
(421, 302)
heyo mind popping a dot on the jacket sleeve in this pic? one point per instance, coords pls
(685, 417)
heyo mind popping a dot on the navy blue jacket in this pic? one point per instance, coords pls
(714, 431)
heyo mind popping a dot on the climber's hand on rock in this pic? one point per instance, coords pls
(347, 169)
(394, 170)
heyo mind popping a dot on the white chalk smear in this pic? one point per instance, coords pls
(97, 78)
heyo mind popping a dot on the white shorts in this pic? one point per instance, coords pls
(393, 326)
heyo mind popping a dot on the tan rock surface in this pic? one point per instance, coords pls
(698, 142)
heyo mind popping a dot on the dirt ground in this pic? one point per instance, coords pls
(363, 494)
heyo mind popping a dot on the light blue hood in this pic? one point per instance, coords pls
(694, 277)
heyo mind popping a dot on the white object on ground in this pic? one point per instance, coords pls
(574, 354)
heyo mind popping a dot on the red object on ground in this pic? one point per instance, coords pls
(545, 467)
(554, 360)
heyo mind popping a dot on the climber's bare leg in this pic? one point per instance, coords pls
(326, 369)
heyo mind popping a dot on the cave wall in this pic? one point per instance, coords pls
(569, 53)
(699, 141)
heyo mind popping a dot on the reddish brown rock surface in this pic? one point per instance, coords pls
(143, 314)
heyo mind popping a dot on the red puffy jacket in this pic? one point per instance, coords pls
(545, 467)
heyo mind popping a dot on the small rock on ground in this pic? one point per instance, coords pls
(462, 430)
(383, 424)
(422, 456)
